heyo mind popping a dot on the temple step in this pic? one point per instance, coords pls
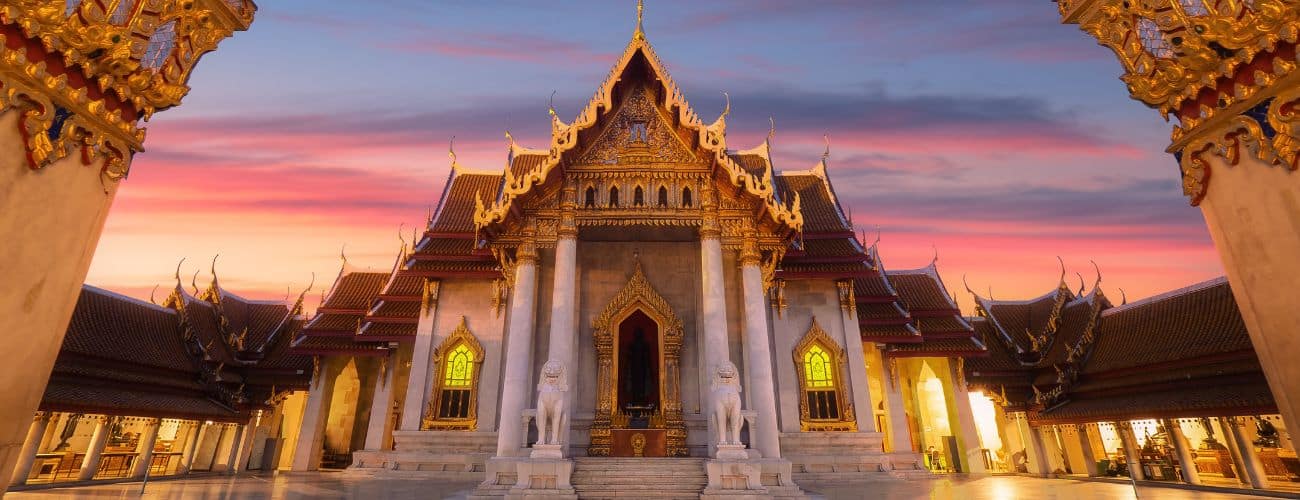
(598, 477)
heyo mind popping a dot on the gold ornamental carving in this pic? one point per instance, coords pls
(637, 134)
(104, 71)
(1244, 136)
(638, 295)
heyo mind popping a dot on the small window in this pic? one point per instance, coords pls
(686, 197)
(613, 197)
(591, 198)
(638, 197)
(820, 363)
(663, 196)
(160, 46)
(454, 398)
(458, 381)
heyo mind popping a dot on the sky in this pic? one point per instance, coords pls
(994, 135)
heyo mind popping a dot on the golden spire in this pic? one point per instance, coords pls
(640, 14)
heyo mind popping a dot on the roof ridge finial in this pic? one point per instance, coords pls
(550, 105)
(726, 110)
(343, 254)
(935, 260)
(178, 272)
(155, 290)
(451, 152)
(1098, 269)
(194, 280)
(827, 153)
(1123, 297)
(639, 34)
(1061, 282)
(771, 129)
(1081, 285)
(213, 268)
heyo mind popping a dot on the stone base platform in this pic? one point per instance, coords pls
(455, 455)
(836, 456)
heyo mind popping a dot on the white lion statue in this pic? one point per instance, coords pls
(550, 402)
(726, 403)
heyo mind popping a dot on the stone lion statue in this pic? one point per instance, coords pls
(726, 403)
(550, 402)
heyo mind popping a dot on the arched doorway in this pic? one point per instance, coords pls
(638, 343)
(639, 366)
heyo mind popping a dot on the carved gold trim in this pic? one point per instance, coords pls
(848, 303)
(1244, 136)
(429, 297)
(430, 421)
(847, 421)
(638, 295)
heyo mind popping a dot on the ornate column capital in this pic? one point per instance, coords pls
(526, 253)
(749, 254)
(710, 229)
(848, 303)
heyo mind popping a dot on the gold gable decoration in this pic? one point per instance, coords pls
(638, 134)
(638, 295)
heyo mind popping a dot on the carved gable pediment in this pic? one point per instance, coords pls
(638, 133)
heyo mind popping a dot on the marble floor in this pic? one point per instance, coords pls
(330, 485)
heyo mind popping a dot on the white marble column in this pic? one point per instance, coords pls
(307, 452)
(515, 387)
(900, 434)
(1251, 468)
(90, 465)
(968, 436)
(1089, 455)
(1185, 460)
(714, 298)
(382, 403)
(144, 449)
(1053, 454)
(857, 361)
(1131, 453)
(762, 390)
(564, 308)
(31, 446)
(1035, 450)
(197, 429)
(417, 382)
(243, 445)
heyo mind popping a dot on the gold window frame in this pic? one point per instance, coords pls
(431, 421)
(847, 422)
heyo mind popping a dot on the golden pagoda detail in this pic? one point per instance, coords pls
(1222, 68)
(84, 73)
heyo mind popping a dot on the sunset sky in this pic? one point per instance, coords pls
(995, 134)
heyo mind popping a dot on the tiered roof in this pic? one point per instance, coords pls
(1183, 353)
(192, 358)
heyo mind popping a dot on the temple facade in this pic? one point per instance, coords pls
(639, 289)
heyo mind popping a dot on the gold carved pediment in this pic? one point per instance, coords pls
(638, 133)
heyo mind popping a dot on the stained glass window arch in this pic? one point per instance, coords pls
(459, 365)
(454, 400)
(820, 366)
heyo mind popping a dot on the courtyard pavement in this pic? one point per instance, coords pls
(331, 485)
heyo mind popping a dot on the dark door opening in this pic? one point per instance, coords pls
(638, 369)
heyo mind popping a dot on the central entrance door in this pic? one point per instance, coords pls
(638, 370)
(638, 344)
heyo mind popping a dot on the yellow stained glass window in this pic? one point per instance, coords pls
(817, 368)
(459, 367)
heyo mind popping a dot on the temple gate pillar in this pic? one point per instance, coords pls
(967, 435)
(382, 403)
(762, 391)
(417, 382)
(31, 446)
(98, 439)
(307, 451)
(1035, 452)
(515, 386)
(564, 305)
(857, 360)
(714, 296)
(1252, 470)
(197, 429)
(1131, 454)
(1088, 453)
(144, 448)
(900, 436)
(1185, 460)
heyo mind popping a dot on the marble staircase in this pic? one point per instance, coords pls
(606, 477)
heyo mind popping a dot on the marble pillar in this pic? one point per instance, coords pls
(417, 381)
(857, 361)
(243, 445)
(307, 451)
(564, 311)
(382, 403)
(516, 389)
(900, 435)
(1131, 452)
(1184, 449)
(31, 446)
(1089, 454)
(1252, 470)
(714, 299)
(1035, 451)
(98, 439)
(967, 435)
(197, 429)
(762, 390)
(144, 449)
